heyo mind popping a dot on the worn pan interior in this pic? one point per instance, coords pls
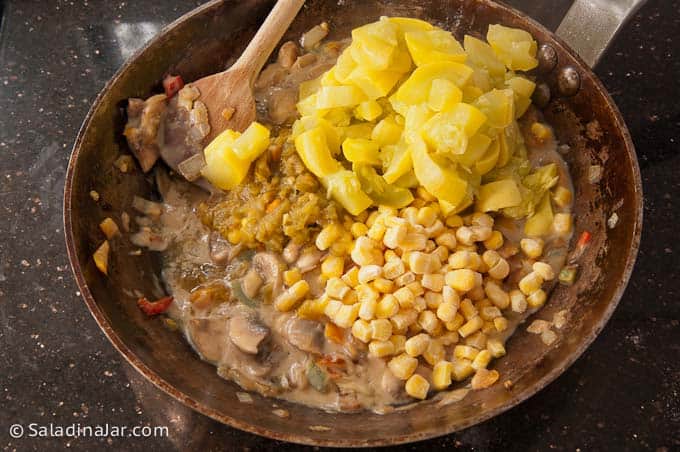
(206, 41)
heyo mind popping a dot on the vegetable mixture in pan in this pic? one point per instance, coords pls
(376, 237)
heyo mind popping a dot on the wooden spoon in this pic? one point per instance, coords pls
(233, 88)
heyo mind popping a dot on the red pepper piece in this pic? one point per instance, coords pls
(583, 239)
(154, 307)
(172, 84)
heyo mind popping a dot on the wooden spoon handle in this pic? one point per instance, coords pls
(268, 36)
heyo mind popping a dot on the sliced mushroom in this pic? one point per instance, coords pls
(316, 285)
(291, 252)
(309, 260)
(209, 336)
(251, 283)
(306, 335)
(247, 334)
(270, 268)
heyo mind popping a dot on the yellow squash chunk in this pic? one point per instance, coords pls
(408, 180)
(338, 96)
(522, 88)
(312, 147)
(339, 117)
(489, 160)
(450, 131)
(222, 167)
(498, 195)
(416, 117)
(386, 132)
(434, 45)
(309, 87)
(476, 149)
(345, 188)
(368, 110)
(307, 106)
(344, 66)
(515, 47)
(396, 161)
(374, 84)
(359, 150)
(481, 55)
(407, 24)
(306, 123)
(361, 130)
(416, 89)
(252, 142)
(328, 78)
(439, 179)
(373, 45)
(444, 94)
(382, 193)
(541, 221)
(498, 106)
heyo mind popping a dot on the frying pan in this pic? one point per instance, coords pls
(210, 38)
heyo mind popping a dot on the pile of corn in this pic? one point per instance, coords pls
(423, 288)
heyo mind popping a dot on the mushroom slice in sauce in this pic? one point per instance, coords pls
(247, 334)
(306, 335)
(270, 268)
(209, 337)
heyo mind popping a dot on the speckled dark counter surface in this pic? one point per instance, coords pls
(57, 367)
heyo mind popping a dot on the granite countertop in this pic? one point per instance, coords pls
(57, 367)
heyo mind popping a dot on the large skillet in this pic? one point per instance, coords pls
(206, 41)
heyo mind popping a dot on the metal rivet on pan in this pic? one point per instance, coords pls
(541, 96)
(547, 58)
(568, 81)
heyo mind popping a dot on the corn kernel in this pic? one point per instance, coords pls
(372, 217)
(449, 295)
(405, 279)
(460, 259)
(402, 366)
(500, 323)
(530, 283)
(468, 309)
(332, 308)
(416, 345)
(419, 304)
(332, 267)
(465, 235)
(501, 270)
(380, 349)
(413, 241)
(441, 375)
(351, 277)
(454, 221)
(387, 307)
(497, 295)
(358, 229)
(462, 368)
(399, 341)
(394, 236)
(328, 235)
(533, 248)
(417, 387)
(393, 269)
(435, 352)
(537, 299)
(336, 288)
(426, 216)
(416, 288)
(441, 253)
(540, 131)
(381, 329)
(365, 293)
(430, 323)
(476, 340)
(456, 323)
(421, 263)
(448, 338)
(404, 319)
(361, 329)
(562, 196)
(484, 378)
(465, 351)
(376, 232)
(489, 312)
(447, 239)
(462, 279)
(369, 273)
(446, 311)
(495, 347)
(415, 328)
(518, 301)
(405, 297)
(482, 360)
(292, 276)
(562, 223)
(488, 327)
(364, 252)
(483, 303)
(350, 297)
(292, 296)
(367, 309)
(433, 281)
(433, 300)
(346, 315)
(383, 285)
(544, 270)
(495, 241)
(471, 326)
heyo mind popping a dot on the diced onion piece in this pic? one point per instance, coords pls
(191, 168)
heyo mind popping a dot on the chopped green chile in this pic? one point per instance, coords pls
(379, 190)
(317, 378)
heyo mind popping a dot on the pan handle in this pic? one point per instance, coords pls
(590, 25)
